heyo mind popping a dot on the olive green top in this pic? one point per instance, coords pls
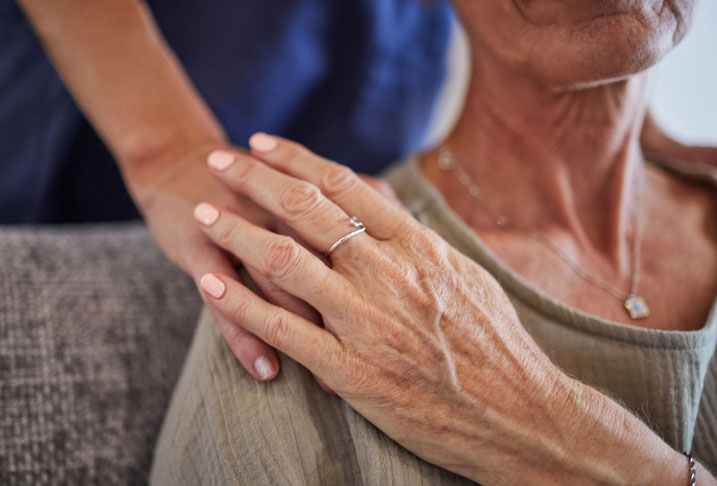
(659, 375)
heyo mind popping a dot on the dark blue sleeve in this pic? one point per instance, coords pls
(354, 80)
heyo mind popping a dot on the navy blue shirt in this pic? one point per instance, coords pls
(354, 80)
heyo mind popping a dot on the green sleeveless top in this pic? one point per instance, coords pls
(667, 378)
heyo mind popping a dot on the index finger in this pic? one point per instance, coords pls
(338, 182)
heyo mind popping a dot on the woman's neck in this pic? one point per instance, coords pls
(567, 160)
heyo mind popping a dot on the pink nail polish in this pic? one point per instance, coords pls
(263, 367)
(262, 142)
(206, 214)
(213, 286)
(220, 159)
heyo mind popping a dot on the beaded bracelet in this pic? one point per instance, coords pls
(693, 469)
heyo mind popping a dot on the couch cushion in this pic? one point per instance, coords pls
(94, 326)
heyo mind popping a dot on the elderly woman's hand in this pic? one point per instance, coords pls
(418, 338)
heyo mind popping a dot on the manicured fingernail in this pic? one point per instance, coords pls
(220, 159)
(206, 214)
(262, 142)
(263, 367)
(212, 285)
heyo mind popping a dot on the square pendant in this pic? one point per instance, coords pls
(636, 307)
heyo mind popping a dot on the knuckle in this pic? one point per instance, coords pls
(420, 240)
(296, 147)
(227, 234)
(278, 329)
(383, 187)
(239, 314)
(402, 269)
(299, 197)
(338, 178)
(242, 172)
(280, 257)
(289, 153)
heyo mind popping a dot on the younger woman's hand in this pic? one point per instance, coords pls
(166, 200)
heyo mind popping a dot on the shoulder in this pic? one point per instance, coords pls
(680, 228)
(672, 190)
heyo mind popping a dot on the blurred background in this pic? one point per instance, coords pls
(683, 86)
(684, 89)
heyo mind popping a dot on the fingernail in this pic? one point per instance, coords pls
(220, 159)
(206, 214)
(263, 367)
(262, 142)
(212, 285)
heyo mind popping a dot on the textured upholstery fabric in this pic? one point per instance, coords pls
(94, 327)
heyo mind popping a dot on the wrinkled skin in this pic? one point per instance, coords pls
(418, 338)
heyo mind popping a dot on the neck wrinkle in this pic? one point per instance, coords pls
(549, 160)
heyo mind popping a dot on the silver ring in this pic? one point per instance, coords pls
(356, 224)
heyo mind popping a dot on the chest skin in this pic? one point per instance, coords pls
(678, 265)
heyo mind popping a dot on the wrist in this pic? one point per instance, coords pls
(606, 444)
(573, 434)
(147, 169)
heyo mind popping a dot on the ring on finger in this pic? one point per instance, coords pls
(360, 228)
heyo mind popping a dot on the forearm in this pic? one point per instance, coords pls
(126, 80)
(577, 435)
(612, 446)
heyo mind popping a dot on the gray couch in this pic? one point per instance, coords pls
(94, 326)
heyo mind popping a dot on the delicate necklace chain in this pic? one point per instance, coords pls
(634, 304)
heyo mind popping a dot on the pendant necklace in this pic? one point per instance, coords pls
(635, 305)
